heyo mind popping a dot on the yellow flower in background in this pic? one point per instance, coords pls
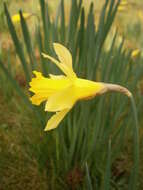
(61, 92)
(16, 18)
(140, 14)
(123, 2)
(121, 8)
(123, 5)
(135, 53)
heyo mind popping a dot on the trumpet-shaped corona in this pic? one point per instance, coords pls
(61, 92)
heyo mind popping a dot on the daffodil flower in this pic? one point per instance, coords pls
(16, 18)
(123, 5)
(61, 92)
(135, 53)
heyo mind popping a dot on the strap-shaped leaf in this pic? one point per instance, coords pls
(27, 40)
(17, 44)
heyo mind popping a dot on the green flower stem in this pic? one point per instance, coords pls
(135, 170)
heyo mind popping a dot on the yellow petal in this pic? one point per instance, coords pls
(56, 76)
(61, 100)
(61, 66)
(80, 89)
(65, 58)
(63, 55)
(56, 119)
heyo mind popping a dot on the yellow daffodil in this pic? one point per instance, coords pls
(16, 18)
(61, 92)
(140, 14)
(135, 53)
(123, 5)
(121, 8)
(123, 2)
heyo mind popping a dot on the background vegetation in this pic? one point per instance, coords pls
(96, 146)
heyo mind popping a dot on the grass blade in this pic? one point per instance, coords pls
(88, 179)
(27, 40)
(46, 24)
(41, 49)
(62, 22)
(106, 185)
(133, 183)
(15, 85)
(17, 44)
